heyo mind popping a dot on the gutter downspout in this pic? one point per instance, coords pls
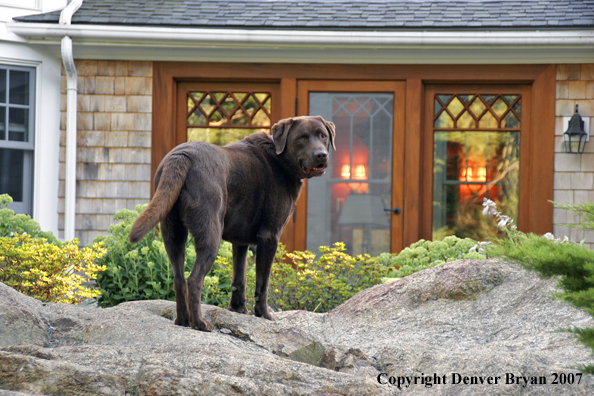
(71, 93)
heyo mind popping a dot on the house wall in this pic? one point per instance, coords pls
(574, 174)
(113, 142)
(114, 139)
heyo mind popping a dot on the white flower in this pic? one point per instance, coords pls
(549, 236)
(505, 220)
(479, 247)
(490, 207)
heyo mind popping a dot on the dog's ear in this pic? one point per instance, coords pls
(280, 131)
(331, 130)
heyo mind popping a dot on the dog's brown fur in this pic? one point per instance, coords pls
(242, 193)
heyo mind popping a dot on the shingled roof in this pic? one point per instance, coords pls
(335, 14)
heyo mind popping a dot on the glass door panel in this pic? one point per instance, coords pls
(351, 202)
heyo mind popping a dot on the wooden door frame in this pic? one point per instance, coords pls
(541, 79)
(398, 89)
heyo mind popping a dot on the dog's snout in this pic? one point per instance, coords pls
(321, 155)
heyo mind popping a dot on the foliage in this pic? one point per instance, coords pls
(142, 271)
(300, 281)
(47, 271)
(11, 223)
(585, 210)
(426, 254)
(571, 263)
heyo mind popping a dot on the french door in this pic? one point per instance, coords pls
(359, 199)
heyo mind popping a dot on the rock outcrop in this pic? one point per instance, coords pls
(452, 327)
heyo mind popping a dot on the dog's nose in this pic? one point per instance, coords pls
(321, 155)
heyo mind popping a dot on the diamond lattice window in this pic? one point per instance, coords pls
(476, 156)
(225, 117)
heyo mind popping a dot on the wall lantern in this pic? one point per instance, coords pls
(575, 136)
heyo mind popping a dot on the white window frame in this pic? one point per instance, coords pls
(26, 205)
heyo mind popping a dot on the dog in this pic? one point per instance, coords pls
(243, 193)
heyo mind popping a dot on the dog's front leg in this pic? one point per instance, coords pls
(237, 303)
(267, 244)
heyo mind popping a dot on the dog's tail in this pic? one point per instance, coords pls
(170, 183)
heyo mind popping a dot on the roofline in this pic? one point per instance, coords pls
(261, 38)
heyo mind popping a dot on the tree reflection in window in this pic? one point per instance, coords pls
(226, 117)
(476, 156)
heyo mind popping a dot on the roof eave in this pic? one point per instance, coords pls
(191, 37)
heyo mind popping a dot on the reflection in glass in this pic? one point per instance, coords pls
(220, 136)
(12, 173)
(2, 122)
(226, 117)
(2, 85)
(347, 203)
(474, 160)
(468, 167)
(18, 124)
(19, 87)
(224, 109)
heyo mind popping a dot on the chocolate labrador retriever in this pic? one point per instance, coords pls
(243, 193)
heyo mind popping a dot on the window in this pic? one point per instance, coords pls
(221, 113)
(16, 135)
(476, 156)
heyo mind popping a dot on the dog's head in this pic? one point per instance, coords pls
(304, 143)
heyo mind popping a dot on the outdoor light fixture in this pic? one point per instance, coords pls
(575, 136)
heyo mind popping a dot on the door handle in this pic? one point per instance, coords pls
(395, 210)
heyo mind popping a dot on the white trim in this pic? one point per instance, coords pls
(335, 47)
(19, 4)
(71, 129)
(184, 37)
(337, 56)
(20, 62)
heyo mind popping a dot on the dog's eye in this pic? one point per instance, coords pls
(323, 136)
(302, 138)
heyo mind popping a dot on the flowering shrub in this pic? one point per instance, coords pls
(300, 281)
(37, 264)
(47, 271)
(11, 223)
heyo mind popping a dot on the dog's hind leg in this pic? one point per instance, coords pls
(175, 235)
(207, 233)
(207, 248)
(267, 244)
(237, 303)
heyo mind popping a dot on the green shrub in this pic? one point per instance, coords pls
(11, 223)
(426, 254)
(584, 210)
(47, 271)
(300, 281)
(142, 271)
(571, 263)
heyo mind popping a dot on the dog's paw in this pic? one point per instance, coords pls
(264, 314)
(203, 325)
